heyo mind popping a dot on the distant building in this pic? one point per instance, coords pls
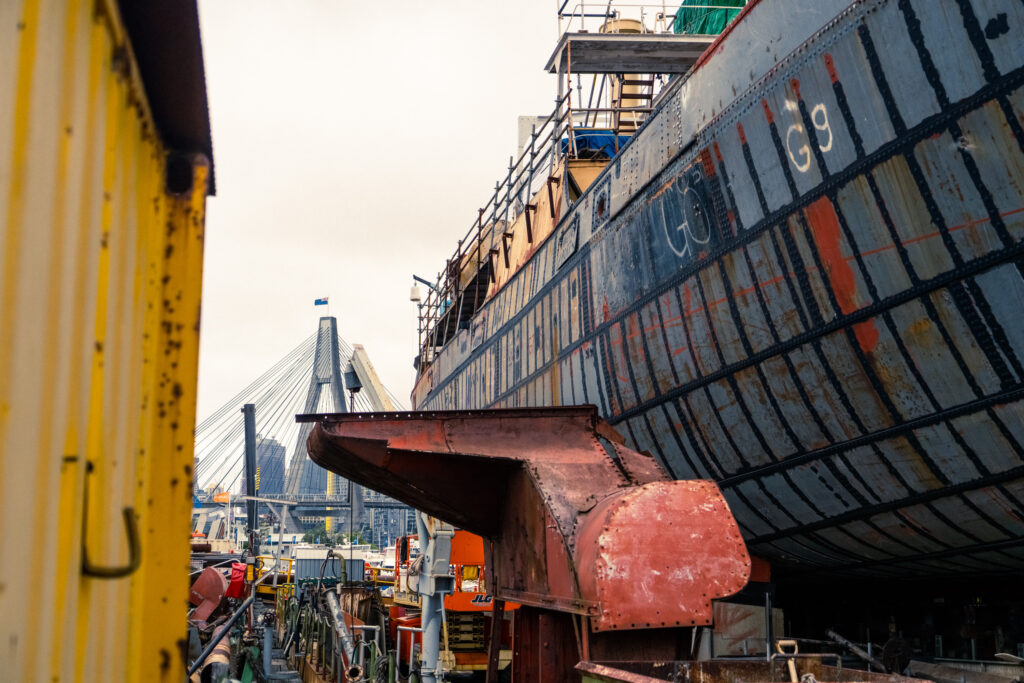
(270, 456)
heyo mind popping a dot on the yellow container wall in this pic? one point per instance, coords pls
(100, 272)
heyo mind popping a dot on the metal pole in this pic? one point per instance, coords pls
(398, 647)
(855, 649)
(280, 542)
(412, 641)
(367, 627)
(249, 418)
(347, 644)
(494, 650)
(268, 645)
(221, 633)
(219, 564)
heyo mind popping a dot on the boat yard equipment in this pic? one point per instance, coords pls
(433, 583)
(467, 609)
(592, 536)
(207, 592)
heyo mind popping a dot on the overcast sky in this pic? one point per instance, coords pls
(353, 143)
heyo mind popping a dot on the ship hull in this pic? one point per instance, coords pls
(806, 282)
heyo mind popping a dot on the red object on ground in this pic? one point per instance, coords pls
(207, 592)
(408, 638)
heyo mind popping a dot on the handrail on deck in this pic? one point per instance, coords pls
(447, 298)
(662, 13)
(525, 176)
(524, 179)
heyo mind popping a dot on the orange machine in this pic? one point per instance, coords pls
(468, 610)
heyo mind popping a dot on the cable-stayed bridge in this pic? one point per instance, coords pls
(323, 374)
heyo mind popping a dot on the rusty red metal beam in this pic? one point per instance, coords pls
(577, 522)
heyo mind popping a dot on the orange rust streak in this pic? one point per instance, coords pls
(921, 238)
(830, 65)
(824, 222)
(620, 356)
(709, 166)
(634, 332)
(841, 274)
(747, 290)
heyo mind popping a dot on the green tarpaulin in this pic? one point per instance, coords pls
(706, 17)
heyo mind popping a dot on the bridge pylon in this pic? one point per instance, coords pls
(304, 476)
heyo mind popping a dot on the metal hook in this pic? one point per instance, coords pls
(131, 526)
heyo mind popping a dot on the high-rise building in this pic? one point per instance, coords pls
(270, 456)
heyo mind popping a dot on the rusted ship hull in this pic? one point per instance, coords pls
(803, 278)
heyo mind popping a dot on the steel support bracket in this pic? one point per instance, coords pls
(576, 522)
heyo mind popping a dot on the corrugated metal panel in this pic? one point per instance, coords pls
(100, 273)
(308, 569)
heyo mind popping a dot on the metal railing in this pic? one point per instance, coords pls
(657, 17)
(525, 177)
(379, 576)
(487, 240)
(451, 301)
(372, 499)
(462, 286)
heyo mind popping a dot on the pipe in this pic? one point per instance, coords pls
(219, 661)
(412, 642)
(398, 652)
(220, 634)
(856, 649)
(340, 627)
(367, 627)
(219, 564)
(268, 645)
(280, 542)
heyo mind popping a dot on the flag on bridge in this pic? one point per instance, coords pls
(320, 302)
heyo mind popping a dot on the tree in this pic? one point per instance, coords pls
(318, 532)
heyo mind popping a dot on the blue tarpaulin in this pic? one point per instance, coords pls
(592, 144)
